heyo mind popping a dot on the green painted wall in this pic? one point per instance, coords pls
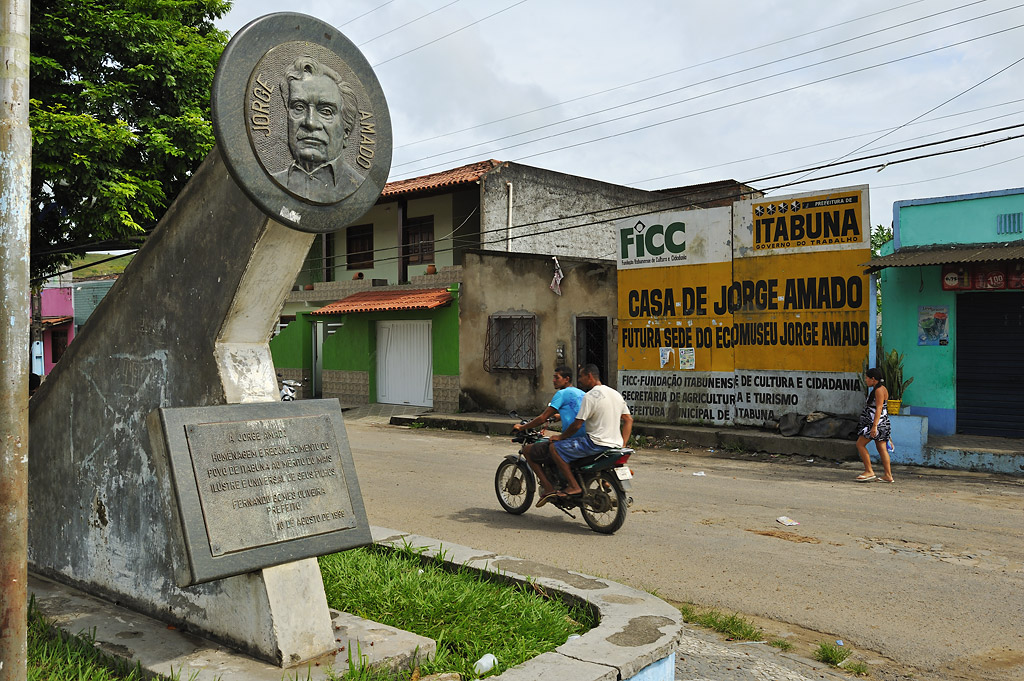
(293, 347)
(353, 347)
(933, 366)
(957, 222)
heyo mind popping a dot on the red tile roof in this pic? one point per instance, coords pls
(446, 178)
(378, 301)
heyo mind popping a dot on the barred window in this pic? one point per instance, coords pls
(511, 342)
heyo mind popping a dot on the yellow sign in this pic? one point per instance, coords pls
(770, 312)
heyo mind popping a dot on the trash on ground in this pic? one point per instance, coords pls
(839, 641)
(676, 449)
(485, 664)
(786, 520)
(700, 474)
(810, 460)
(572, 636)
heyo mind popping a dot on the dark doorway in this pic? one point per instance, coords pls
(592, 344)
(990, 364)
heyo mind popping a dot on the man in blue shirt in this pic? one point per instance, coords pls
(565, 403)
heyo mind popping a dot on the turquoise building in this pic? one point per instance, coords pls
(952, 284)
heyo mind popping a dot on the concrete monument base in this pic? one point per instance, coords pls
(187, 325)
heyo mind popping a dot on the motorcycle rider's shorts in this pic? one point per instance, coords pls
(577, 448)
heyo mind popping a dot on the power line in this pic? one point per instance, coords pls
(381, 6)
(711, 80)
(413, 21)
(843, 139)
(880, 166)
(946, 177)
(831, 164)
(687, 203)
(668, 73)
(448, 35)
(693, 98)
(934, 108)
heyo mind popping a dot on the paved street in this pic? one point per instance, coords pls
(923, 577)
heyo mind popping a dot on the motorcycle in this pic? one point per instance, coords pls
(289, 389)
(604, 478)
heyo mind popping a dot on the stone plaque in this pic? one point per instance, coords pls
(260, 484)
(302, 122)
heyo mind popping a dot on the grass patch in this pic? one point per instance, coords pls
(830, 653)
(465, 612)
(54, 657)
(858, 668)
(733, 626)
(781, 644)
(102, 269)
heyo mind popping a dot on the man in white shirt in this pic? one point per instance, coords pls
(608, 424)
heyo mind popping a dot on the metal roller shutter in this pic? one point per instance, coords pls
(990, 364)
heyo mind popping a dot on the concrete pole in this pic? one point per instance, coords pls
(15, 183)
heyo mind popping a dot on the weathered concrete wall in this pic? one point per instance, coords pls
(186, 325)
(540, 195)
(495, 282)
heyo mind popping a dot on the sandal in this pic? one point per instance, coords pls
(866, 478)
(890, 480)
(547, 497)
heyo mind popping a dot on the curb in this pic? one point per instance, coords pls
(698, 436)
(636, 635)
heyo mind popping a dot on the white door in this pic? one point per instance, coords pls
(405, 369)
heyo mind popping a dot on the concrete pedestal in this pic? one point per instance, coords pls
(186, 325)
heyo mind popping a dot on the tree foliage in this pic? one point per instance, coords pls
(120, 115)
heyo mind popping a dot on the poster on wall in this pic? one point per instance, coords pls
(932, 325)
(768, 297)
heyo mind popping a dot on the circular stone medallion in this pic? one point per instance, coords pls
(302, 122)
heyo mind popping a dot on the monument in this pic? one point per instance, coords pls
(164, 475)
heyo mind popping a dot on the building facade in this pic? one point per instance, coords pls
(952, 284)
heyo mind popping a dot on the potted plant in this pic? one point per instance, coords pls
(892, 370)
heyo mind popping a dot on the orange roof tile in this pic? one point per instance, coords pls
(446, 178)
(379, 301)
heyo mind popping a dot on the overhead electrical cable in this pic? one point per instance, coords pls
(380, 6)
(658, 204)
(671, 73)
(711, 80)
(698, 113)
(946, 177)
(448, 35)
(836, 140)
(934, 108)
(412, 21)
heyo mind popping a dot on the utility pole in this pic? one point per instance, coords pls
(15, 188)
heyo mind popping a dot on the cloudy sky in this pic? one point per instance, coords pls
(665, 93)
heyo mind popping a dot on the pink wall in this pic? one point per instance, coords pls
(56, 302)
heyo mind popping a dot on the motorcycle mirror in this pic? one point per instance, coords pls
(514, 414)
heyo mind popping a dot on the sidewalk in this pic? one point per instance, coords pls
(696, 436)
(959, 452)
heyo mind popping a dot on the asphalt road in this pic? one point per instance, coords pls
(925, 576)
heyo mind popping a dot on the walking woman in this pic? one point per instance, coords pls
(874, 425)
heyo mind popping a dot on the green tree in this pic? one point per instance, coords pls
(879, 236)
(120, 116)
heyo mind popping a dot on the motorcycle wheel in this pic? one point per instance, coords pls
(515, 486)
(604, 503)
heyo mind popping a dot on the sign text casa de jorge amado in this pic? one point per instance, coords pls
(739, 314)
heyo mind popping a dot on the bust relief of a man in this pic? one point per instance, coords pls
(321, 113)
